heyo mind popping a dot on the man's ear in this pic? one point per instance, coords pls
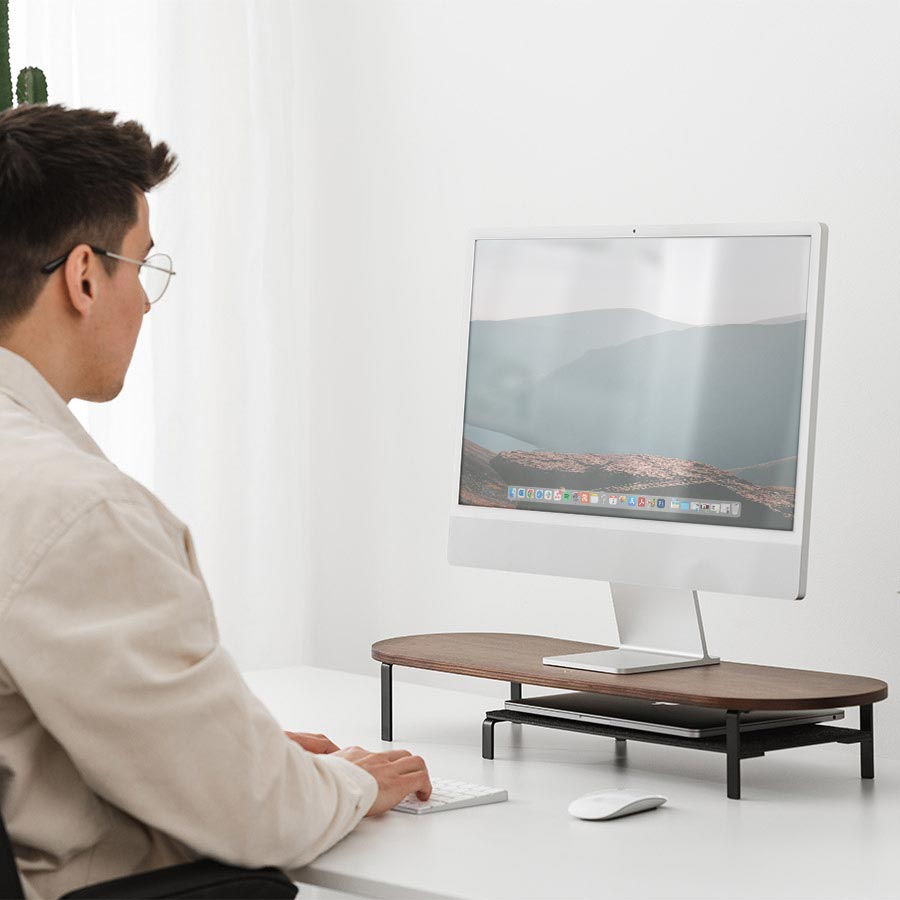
(81, 274)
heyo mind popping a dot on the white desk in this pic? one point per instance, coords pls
(808, 826)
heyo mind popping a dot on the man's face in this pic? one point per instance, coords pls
(120, 309)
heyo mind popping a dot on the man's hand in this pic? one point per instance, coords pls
(315, 743)
(397, 772)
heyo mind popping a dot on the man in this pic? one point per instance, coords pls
(128, 739)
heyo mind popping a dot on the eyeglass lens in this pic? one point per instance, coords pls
(154, 280)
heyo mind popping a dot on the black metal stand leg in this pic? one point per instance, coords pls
(487, 739)
(515, 690)
(387, 716)
(733, 752)
(867, 744)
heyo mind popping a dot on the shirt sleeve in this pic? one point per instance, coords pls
(111, 638)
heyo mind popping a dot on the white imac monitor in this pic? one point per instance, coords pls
(638, 406)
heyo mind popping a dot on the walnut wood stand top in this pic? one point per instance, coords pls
(736, 686)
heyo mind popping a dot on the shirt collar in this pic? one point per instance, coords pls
(22, 382)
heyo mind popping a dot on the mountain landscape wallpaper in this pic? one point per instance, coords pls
(624, 401)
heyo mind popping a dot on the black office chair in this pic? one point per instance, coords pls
(204, 879)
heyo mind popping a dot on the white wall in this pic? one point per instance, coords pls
(433, 117)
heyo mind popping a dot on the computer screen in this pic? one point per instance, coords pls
(652, 378)
(638, 404)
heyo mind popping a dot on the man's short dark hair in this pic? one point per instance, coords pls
(67, 176)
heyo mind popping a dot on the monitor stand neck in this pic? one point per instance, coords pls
(659, 628)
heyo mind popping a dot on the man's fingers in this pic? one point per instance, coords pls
(314, 743)
(395, 755)
(414, 776)
(410, 764)
(398, 774)
(418, 783)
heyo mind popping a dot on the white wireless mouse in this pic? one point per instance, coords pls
(612, 804)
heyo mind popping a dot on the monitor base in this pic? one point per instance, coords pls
(627, 661)
(659, 628)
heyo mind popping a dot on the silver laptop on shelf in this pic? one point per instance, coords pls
(660, 717)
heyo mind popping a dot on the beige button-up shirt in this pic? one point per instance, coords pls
(128, 739)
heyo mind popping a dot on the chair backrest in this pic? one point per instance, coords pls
(201, 879)
(10, 885)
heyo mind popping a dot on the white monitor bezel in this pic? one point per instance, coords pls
(744, 547)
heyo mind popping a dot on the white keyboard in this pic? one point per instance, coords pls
(447, 794)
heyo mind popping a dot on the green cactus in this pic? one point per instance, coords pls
(5, 73)
(31, 85)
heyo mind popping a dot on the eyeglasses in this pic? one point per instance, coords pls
(155, 271)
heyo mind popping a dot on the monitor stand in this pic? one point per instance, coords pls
(659, 628)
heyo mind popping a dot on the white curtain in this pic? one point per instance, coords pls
(212, 415)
